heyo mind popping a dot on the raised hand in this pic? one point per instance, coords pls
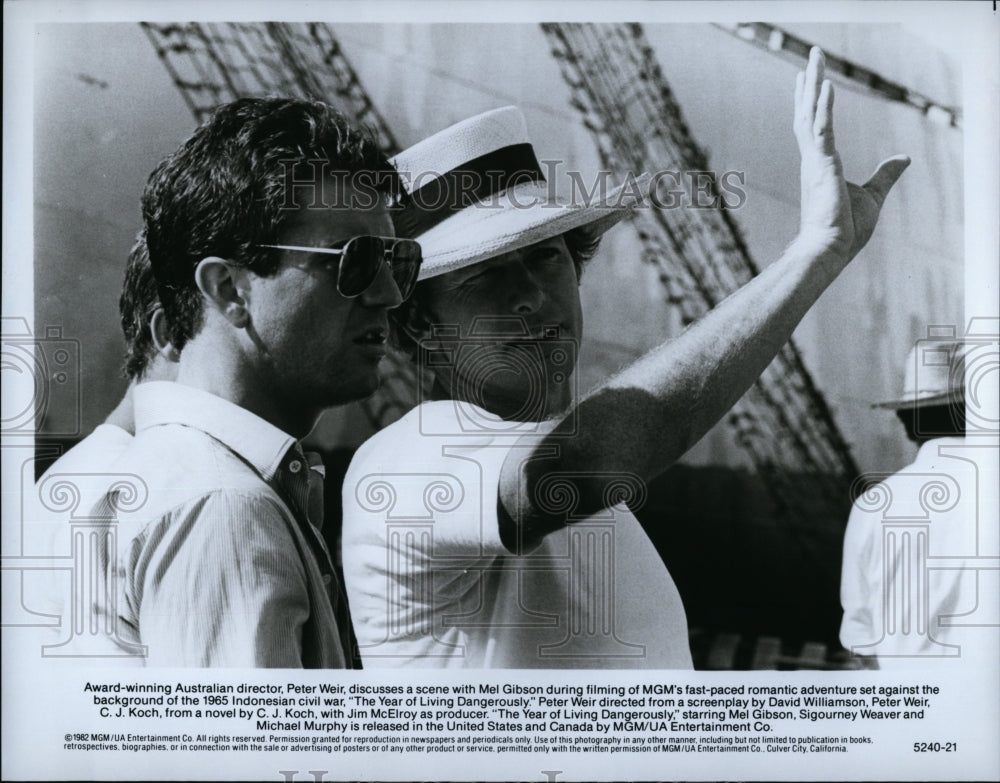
(838, 217)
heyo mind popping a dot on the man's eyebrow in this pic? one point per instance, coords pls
(550, 242)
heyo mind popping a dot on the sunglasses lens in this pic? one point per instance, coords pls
(362, 259)
(359, 265)
(406, 258)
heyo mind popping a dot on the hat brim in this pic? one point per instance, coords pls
(940, 398)
(520, 217)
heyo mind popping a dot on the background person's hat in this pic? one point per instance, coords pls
(934, 375)
(476, 190)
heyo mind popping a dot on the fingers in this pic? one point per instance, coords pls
(885, 177)
(823, 124)
(814, 77)
(814, 101)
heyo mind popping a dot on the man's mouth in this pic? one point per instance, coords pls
(376, 336)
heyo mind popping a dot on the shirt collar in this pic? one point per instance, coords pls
(259, 442)
(929, 450)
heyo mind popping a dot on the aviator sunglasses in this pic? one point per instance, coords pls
(362, 257)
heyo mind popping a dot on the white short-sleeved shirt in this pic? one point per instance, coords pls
(919, 566)
(431, 584)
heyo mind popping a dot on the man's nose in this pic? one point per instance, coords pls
(526, 294)
(383, 292)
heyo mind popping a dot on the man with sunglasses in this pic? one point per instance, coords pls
(270, 238)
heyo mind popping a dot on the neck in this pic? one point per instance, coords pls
(924, 440)
(123, 415)
(222, 370)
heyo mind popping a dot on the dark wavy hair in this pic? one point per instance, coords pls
(233, 183)
(138, 301)
(412, 314)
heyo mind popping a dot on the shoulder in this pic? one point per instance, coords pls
(432, 428)
(429, 440)
(182, 471)
(95, 453)
(380, 446)
(108, 437)
(244, 516)
(228, 546)
(189, 457)
(426, 466)
(220, 527)
(404, 443)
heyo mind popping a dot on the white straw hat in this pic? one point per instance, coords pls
(476, 190)
(934, 375)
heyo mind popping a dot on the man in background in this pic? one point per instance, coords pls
(905, 579)
(148, 357)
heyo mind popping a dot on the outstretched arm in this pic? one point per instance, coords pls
(647, 416)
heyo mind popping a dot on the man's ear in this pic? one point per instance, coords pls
(224, 286)
(160, 333)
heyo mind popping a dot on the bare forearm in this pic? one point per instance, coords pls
(643, 419)
(683, 387)
(647, 416)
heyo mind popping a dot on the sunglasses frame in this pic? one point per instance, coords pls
(388, 257)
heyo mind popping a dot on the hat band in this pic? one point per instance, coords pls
(465, 185)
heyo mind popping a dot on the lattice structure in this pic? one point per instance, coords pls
(783, 422)
(213, 63)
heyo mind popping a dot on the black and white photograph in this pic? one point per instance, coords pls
(637, 364)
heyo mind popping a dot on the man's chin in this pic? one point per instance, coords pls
(359, 388)
(367, 386)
